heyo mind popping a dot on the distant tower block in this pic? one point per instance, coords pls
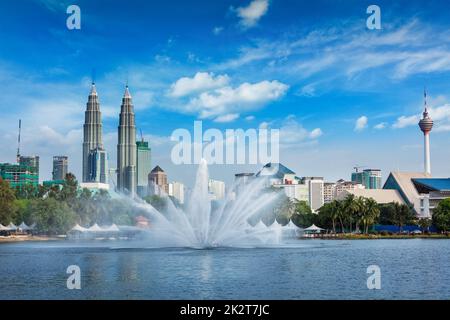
(426, 124)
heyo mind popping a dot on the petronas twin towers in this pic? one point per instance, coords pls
(95, 168)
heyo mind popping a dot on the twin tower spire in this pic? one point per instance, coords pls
(95, 162)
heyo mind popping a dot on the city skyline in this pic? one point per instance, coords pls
(362, 110)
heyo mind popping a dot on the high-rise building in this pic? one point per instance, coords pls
(19, 175)
(92, 138)
(316, 194)
(60, 167)
(157, 182)
(425, 125)
(30, 161)
(176, 190)
(98, 166)
(143, 167)
(126, 147)
(216, 189)
(342, 185)
(328, 191)
(369, 178)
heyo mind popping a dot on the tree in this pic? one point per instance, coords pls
(424, 224)
(69, 190)
(304, 220)
(402, 215)
(7, 198)
(351, 208)
(328, 213)
(51, 216)
(441, 215)
(157, 202)
(370, 213)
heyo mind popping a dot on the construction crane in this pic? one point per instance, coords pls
(357, 167)
(18, 142)
(142, 136)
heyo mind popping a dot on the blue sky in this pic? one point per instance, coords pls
(340, 94)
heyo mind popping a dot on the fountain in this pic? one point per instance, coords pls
(199, 225)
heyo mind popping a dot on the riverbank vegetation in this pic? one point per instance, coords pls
(54, 210)
(359, 215)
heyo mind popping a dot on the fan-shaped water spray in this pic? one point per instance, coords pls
(199, 225)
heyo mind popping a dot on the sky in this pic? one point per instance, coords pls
(340, 94)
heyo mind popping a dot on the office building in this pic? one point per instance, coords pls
(369, 178)
(19, 176)
(60, 167)
(98, 166)
(157, 182)
(143, 167)
(176, 190)
(92, 140)
(126, 147)
(30, 161)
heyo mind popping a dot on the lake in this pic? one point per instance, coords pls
(307, 269)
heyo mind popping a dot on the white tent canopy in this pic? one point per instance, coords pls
(291, 225)
(78, 228)
(12, 227)
(111, 228)
(95, 228)
(3, 228)
(24, 227)
(314, 228)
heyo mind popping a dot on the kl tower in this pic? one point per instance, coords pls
(426, 124)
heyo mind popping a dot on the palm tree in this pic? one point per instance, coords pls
(370, 214)
(350, 208)
(327, 213)
(337, 211)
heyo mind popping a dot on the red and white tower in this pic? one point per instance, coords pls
(426, 124)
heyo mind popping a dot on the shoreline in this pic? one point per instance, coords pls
(27, 238)
(379, 237)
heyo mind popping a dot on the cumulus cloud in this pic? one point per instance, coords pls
(201, 81)
(316, 133)
(250, 15)
(293, 133)
(361, 123)
(406, 121)
(247, 96)
(380, 126)
(227, 118)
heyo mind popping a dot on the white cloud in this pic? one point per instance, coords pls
(405, 121)
(217, 30)
(361, 123)
(380, 126)
(343, 56)
(202, 81)
(308, 91)
(250, 118)
(227, 118)
(247, 96)
(251, 14)
(293, 133)
(316, 133)
(142, 100)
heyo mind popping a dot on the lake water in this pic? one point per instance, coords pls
(313, 269)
